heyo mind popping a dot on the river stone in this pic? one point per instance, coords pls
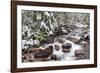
(87, 37)
(57, 47)
(80, 54)
(41, 54)
(60, 40)
(74, 39)
(64, 32)
(66, 45)
(85, 45)
(53, 57)
(64, 50)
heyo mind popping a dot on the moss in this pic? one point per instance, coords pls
(41, 36)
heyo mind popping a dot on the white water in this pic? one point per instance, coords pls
(68, 55)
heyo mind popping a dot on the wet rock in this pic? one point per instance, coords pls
(31, 57)
(80, 54)
(47, 41)
(65, 50)
(64, 31)
(67, 45)
(60, 40)
(87, 38)
(25, 57)
(44, 45)
(85, 45)
(74, 39)
(79, 25)
(57, 47)
(53, 57)
(40, 54)
(24, 51)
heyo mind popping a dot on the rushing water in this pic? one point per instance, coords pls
(65, 55)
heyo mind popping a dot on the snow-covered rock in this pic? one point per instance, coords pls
(30, 42)
(64, 31)
(24, 44)
(36, 42)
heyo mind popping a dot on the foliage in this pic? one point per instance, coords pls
(44, 24)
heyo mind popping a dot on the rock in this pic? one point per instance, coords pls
(87, 37)
(74, 39)
(64, 31)
(36, 42)
(25, 57)
(53, 57)
(79, 25)
(80, 54)
(65, 50)
(50, 33)
(57, 47)
(24, 51)
(67, 45)
(30, 42)
(48, 40)
(47, 14)
(60, 40)
(39, 54)
(44, 45)
(85, 45)
(24, 44)
(24, 29)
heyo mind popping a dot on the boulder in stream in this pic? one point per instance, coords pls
(74, 39)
